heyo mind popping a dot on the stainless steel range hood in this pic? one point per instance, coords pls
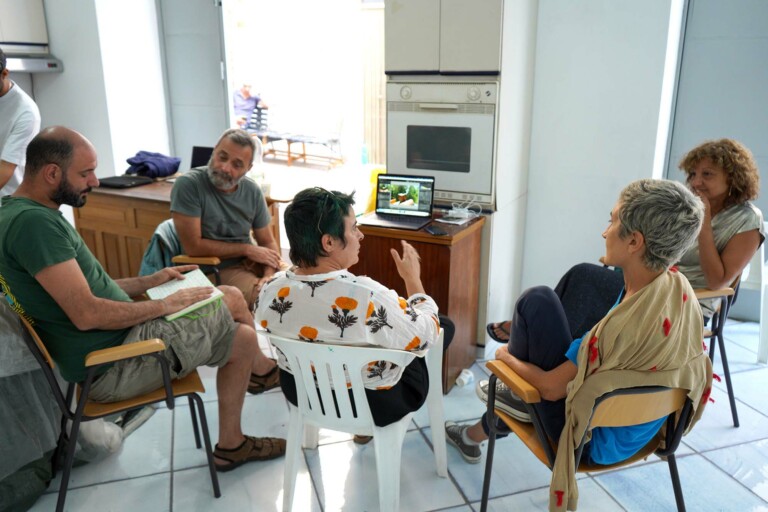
(34, 64)
(25, 40)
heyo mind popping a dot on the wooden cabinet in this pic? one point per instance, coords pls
(117, 224)
(445, 36)
(450, 271)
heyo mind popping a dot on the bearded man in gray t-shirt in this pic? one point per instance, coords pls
(217, 211)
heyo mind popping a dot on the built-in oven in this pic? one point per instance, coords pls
(445, 130)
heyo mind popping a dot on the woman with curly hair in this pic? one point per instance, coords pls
(724, 175)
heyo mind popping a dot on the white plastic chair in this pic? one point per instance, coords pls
(312, 387)
(755, 277)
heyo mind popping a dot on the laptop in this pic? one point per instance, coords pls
(200, 156)
(402, 202)
(125, 181)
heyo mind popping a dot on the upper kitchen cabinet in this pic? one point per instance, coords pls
(22, 26)
(470, 36)
(442, 36)
(412, 36)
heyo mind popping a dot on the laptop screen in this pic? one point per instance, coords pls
(200, 156)
(409, 196)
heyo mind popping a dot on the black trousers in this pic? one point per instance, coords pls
(390, 405)
(546, 321)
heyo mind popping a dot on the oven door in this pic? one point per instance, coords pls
(452, 142)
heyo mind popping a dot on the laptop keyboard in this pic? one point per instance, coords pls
(401, 218)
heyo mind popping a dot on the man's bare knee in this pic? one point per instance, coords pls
(236, 304)
(244, 345)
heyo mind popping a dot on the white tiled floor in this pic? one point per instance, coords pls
(158, 468)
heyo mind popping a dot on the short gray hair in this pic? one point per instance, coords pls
(667, 214)
(241, 138)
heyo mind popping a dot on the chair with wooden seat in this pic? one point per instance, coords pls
(714, 333)
(314, 391)
(622, 407)
(170, 252)
(87, 410)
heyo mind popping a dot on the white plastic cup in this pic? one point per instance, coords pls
(465, 377)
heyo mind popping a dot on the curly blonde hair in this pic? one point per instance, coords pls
(737, 162)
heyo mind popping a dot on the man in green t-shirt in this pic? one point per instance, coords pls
(51, 278)
(216, 209)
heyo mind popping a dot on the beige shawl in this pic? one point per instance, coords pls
(652, 338)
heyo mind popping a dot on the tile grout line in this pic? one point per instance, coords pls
(450, 474)
(738, 482)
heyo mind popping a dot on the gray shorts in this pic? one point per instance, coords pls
(191, 341)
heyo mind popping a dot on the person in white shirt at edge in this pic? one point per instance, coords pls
(19, 123)
(320, 301)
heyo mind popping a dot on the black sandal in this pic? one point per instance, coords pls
(491, 328)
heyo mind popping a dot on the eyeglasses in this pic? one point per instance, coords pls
(327, 195)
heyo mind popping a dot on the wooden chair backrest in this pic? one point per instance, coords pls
(635, 406)
(38, 342)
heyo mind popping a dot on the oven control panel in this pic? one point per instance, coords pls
(443, 92)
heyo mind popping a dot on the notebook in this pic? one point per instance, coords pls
(402, 202)
(125, 181)
(191, 279)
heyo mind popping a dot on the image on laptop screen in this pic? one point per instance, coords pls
(404, 195)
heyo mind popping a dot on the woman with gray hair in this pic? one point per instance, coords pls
(723, 173)
(653, 223)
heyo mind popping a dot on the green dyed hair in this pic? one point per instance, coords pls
(313, 213)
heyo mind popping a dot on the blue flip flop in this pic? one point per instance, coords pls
(498, 325)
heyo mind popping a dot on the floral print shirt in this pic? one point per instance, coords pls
(344, 309)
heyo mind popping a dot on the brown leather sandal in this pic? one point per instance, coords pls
(252, 449)
(262, 383)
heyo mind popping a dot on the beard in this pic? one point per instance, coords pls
(222, 181)
(65, 194)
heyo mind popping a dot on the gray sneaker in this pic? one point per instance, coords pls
(453, 432)
(506, 400)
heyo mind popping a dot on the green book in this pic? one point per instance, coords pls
(191, 280)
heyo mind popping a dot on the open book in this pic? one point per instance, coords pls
(191, 279)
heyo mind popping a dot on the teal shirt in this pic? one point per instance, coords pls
(32, 238)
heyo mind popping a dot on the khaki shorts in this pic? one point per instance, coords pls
(244, 276)
(203, 338)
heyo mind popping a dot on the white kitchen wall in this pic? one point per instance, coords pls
(194, 59)
(502, 248)
(111, 89)
(598, 94)
(133, 79)
(77, 97)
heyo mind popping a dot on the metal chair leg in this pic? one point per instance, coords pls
(194, 421)
(488, 470)
(728, 384)
(69, 460)
(208, 447)
(676, 482)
